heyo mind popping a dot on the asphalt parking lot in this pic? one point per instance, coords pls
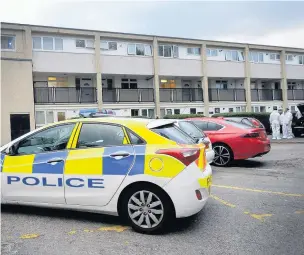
(257, 207)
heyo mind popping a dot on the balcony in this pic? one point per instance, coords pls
(227, 95)
(295, 94)
(47, 95)
(127, 95)
(266, 94)
(181, 95)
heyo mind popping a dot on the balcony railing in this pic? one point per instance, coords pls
(127, 95)
(295, 94)
(43, 95)
(227, 95)
(181, 95)
(266, 94)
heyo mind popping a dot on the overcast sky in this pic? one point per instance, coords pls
(270, 23)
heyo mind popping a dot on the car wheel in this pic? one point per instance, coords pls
(222, 155)
(148, 209)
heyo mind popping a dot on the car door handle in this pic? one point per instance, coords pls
(54, 161)
(120, 154)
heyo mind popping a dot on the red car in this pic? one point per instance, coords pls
(232, 140)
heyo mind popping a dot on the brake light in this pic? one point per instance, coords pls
(184, 155)
(251, 135)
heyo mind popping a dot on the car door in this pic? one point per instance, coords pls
(96, 167)
(33, 170)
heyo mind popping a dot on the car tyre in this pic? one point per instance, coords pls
(148, 209)
(223, 155)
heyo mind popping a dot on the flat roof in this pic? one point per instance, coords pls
(150, 37)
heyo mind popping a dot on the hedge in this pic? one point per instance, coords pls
(183, 116)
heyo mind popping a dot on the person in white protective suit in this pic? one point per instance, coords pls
(274, 120)
(286, 123)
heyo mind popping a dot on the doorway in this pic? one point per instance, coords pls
(186, 91)
(20, 125)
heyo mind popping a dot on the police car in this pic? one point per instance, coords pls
(124, 167)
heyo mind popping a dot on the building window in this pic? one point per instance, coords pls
(139, 49)
(112, 45)
(128, 83)
(8, 42)
(194, 51)
(80, 43)
(47, 43)
(168, 111)
(57, 81)
(37, 45)
(168, 51)
(134, 112)
(192, 110)
(212, 52)
(234, 55)
(289, 57)
(256, 57)
(275, 108)
(217, 110)
(230, 109)
(167, 84)
(84, 43)
(238, 109)
(274, 56)
(58, 43)
(104, 45)
(301, 60)
(144, 112)
(176, 111)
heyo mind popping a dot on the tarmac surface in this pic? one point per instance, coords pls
(256, 207)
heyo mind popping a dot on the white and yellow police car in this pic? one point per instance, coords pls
(139, 169)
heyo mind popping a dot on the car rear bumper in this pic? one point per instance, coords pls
(253, 149)
(184, 187)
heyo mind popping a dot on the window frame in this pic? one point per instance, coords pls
(174, 51)
(135, 52)
(129, 82)
(41, 43)
(14, 40)
(101, 123)
(72, 136)
(258, 55)
(192, 51)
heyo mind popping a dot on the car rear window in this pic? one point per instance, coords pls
(190, 129)
(238, 125)
(173, 133)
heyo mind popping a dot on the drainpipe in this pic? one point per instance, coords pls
(204, 79)
(98, 71)
(247, 80)
(156, 77)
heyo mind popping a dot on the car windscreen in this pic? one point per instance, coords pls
(190, 128)
(173, 133)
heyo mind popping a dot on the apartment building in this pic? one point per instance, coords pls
(51, 74)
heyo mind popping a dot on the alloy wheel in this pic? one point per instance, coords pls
(222, 155)
(145, 209)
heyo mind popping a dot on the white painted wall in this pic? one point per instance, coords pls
(225, 69)
(63, 62)
(135, 65)
(180, 67)
(267, 71)
(295, 71)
